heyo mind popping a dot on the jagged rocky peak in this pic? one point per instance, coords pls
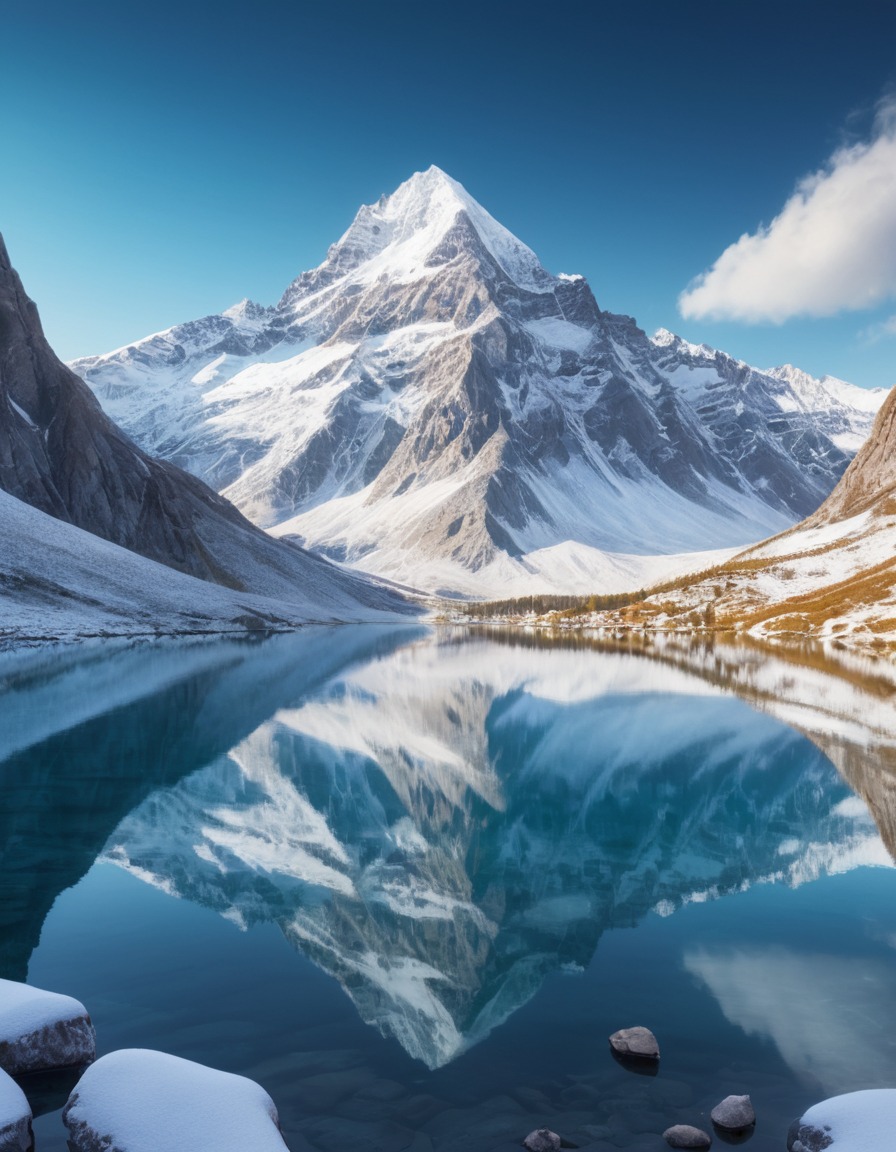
(429, 222)
(675, 344)
(247, 312)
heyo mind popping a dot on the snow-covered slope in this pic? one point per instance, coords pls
(60, 582)
(827, 397)
(432, 405)
(440, 831)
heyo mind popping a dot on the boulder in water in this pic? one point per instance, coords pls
(15, 1117)
(734, 1114)
(686, 1136)
(635, 1044)
(855, 1122)
(146, 1101)
(41, 1030)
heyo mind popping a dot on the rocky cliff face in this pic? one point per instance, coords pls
(430, 403)
(869, 483)
(60, 453)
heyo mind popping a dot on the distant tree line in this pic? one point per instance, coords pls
(541, 605)
(568, 606)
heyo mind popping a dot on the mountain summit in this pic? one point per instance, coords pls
(432, 405)
(427, 222)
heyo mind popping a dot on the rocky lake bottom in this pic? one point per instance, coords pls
(411, 880)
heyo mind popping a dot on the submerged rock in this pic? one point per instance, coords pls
(15, 1117)
(542, 1140)
(147, 1101)
(635, 1044)
(734, 1114)
(686, 1136)
(855, 1122)
(41, 1030)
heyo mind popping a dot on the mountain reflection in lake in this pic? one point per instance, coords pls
(453, 831)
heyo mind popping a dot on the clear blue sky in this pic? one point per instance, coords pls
(161, 161)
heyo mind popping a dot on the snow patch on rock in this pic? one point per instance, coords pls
(855, 1122)
(15, 1117)
(143, 1101)
(41, 1030)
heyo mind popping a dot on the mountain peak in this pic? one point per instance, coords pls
(432, 180)
(403, 236)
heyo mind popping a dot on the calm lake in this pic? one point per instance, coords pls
(410, 880)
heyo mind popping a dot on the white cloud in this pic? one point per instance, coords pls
(831, 248)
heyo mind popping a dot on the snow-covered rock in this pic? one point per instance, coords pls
(15, 1117)
(41, 1030)
(430, 404)
(832, 577)
(855, 1122)
(138, 1100)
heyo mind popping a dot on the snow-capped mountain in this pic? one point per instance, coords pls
(62, 457)
(440, 831)
(432, 405)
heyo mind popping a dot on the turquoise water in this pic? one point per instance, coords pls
(411, 881)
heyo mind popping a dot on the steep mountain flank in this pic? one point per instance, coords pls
(62, 455)
(870, 481)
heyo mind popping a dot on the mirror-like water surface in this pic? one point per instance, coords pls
(411, 881)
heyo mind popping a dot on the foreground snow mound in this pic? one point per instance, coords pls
(854, 1122)
(137, 1100)
(40, 1030)
(15, 1117)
